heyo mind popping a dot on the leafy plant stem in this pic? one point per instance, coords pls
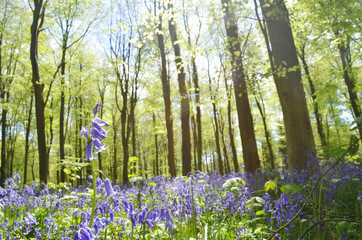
(94, 196)
(319, 207)
(328, 220)
(351, 146)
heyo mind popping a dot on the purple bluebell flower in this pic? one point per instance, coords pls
(98, 145)
(96, 109)
(84, 132)
(99, 123)
(108, 187)
(89, 152)
(98, 133)
(30, 220)
(84, 233)
(17, 177)
(98, 182)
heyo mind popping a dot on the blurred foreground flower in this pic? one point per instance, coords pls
(94, 135)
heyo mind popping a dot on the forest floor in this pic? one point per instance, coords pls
(200, 206)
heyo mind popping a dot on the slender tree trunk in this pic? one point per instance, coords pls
(125, 139)
(115, 129)
(167, 99)
(4, 163)
(27, 134)
(194, 136)
(216, 123)
(62, 112)
(290, 89)
(246, 126)
(195, 77)
(157, 172)
(185, 108)
(348, 77)
(230, 124)
(267, 133)
(38, 14)
(133, 101)
(226, 155)
(317, 114)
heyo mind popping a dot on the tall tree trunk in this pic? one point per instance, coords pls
(195, 77)
(38, 14)
(348, 77)
(226, 155)
(246, 126)
(132, 120)
(267, 133)
(230, 125)
(194, 136)
(115, 129)
(167, 99)
(62, 112)
(216, 123)
(317, 114)
(125, 139)
(289, 86)
(27, 134)
(157, 172)
(4, 163)
(185, 108)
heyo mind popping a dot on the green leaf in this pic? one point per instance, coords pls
(270, 185)
(260, 212)
(290, 188)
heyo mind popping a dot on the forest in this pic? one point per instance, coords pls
(190, 119)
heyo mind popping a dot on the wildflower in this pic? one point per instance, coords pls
(89, 152)
(84, 233)
(108, 187)
(29, 219)
(84, 132)
(98, 182)
(96, 109)
(99, 123)
(98, 145)
(97, 134)
(16, 177)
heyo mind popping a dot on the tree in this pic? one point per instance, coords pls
(71, 20)
(185, 108)
(125, 57)
(288, 82)
(195, 80)
(166, 95)
(36, 28)
(215, 118)
(246, 127)
(228, 89)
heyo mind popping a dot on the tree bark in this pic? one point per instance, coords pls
(246, 126)
(62, 108)
(27, 134)
(157, 172)
(344, 53)
(317, 114)
(38, 15)
(230, 125)
(185, 108)
(289, 85)
(216, 123)
(167, 99)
